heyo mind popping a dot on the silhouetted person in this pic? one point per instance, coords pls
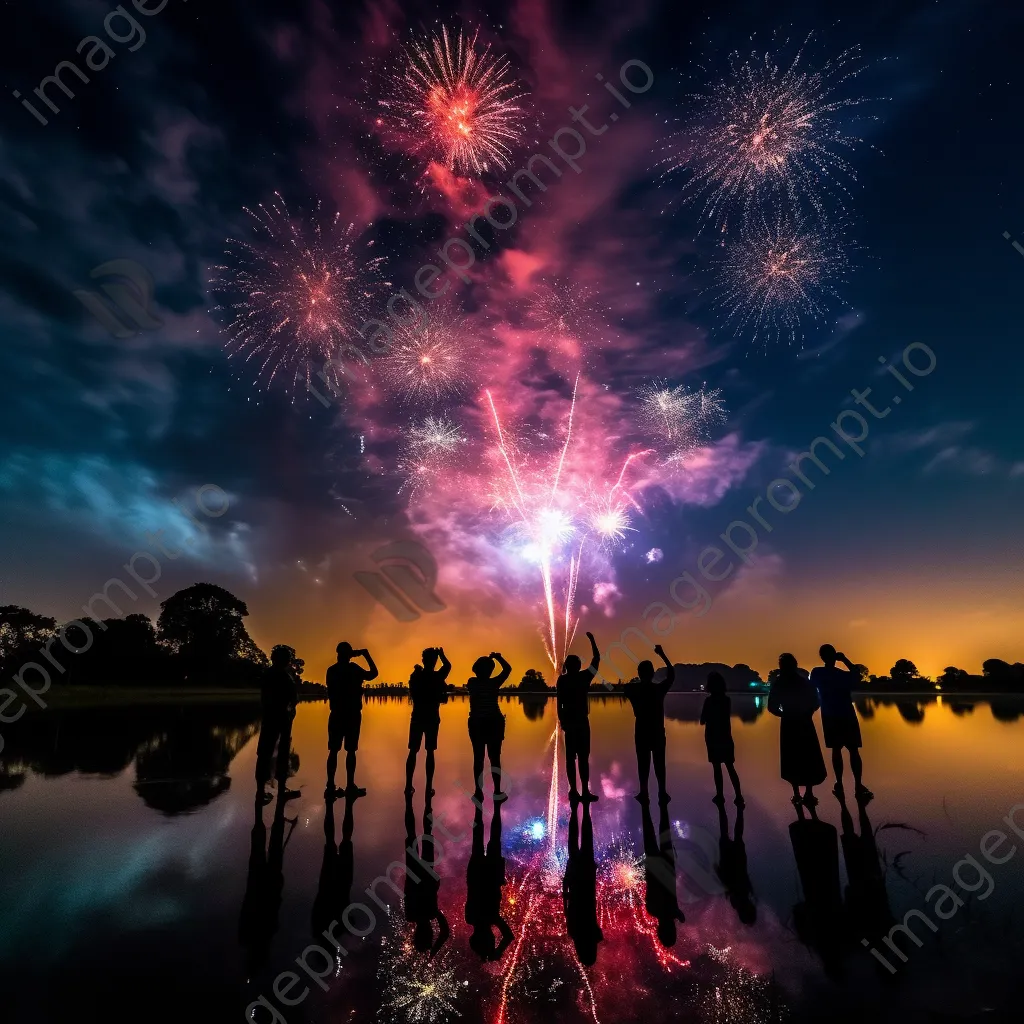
(264, 883)
(486, 722)
(278, 696)
(819, 918)
(345, 692)
(839, 717)
(867, 901)
(579, 888)
(648, 700)
(423, 883)
(716, 717)
(660, 875)
(793, 699)
(573, 702)
(428, 690)
(732, 866)
(485, 875)
(337, 870)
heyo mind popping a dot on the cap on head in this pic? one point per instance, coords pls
(827, 653)
(344, 649)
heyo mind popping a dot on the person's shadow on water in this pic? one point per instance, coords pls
(819, 918)
(732, 867)
(264, 882)
(337, 870)
(867, 900)
(579, 888)
(660, 875)
(485, 875)
(422, 883)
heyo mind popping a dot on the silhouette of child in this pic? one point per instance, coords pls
(715, 716)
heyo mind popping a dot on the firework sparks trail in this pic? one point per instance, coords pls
(778, 275)
(431, 449)
(564, 308)
(767, 130)
(541, 514)
(456, 103)
(681, 419)
(293, 295)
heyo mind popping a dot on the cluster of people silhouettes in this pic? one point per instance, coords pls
(794, 697)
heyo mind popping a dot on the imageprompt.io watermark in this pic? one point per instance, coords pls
(406, 581)
(125, 304)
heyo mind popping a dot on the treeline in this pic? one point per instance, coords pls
(997, 676)
(198, 639)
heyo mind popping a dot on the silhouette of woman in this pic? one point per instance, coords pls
(579, 888)
(715, 716)
(660, 875)
(486, 722)
(485, 875)
(793, 699)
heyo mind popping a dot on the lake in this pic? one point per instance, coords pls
(142, 881)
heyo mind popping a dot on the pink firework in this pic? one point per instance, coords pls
(456, 103)
(293, 294)
(554, 506)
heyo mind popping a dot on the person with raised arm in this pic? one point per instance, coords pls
(839, 720)
(345, 681)
(486, 722)
(573, 702)
(428, 690)
(648, 701)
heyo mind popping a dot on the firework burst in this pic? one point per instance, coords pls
(293, 295)
(417, 991)
(564, 309)
(681, 419)
(431, 449)
(455, 103)
(766, 130)
(430, 362)
(777, 276)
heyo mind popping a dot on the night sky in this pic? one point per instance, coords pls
(913, 550)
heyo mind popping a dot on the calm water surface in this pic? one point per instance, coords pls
(140, 881)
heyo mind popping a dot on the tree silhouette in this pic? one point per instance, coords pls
(904, 672)
(952, 676)
(533, 681)
(22, 632)
(203, 625)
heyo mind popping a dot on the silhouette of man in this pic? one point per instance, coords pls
(732, 866)
(428, 690)
(839, 720)
(579, 888)
(648, 700)
(264, 883)
(422, 883)
(278, 696)
(337, 870)
(345, 692)
(573, 703)
(486, 722)
(485, 875)
(660, 875)
(867, 901)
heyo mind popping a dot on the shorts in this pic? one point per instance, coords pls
(841, 730)
(343, 727)
(423, 728)
(648, 738)
(577, 739)
(489, 730)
